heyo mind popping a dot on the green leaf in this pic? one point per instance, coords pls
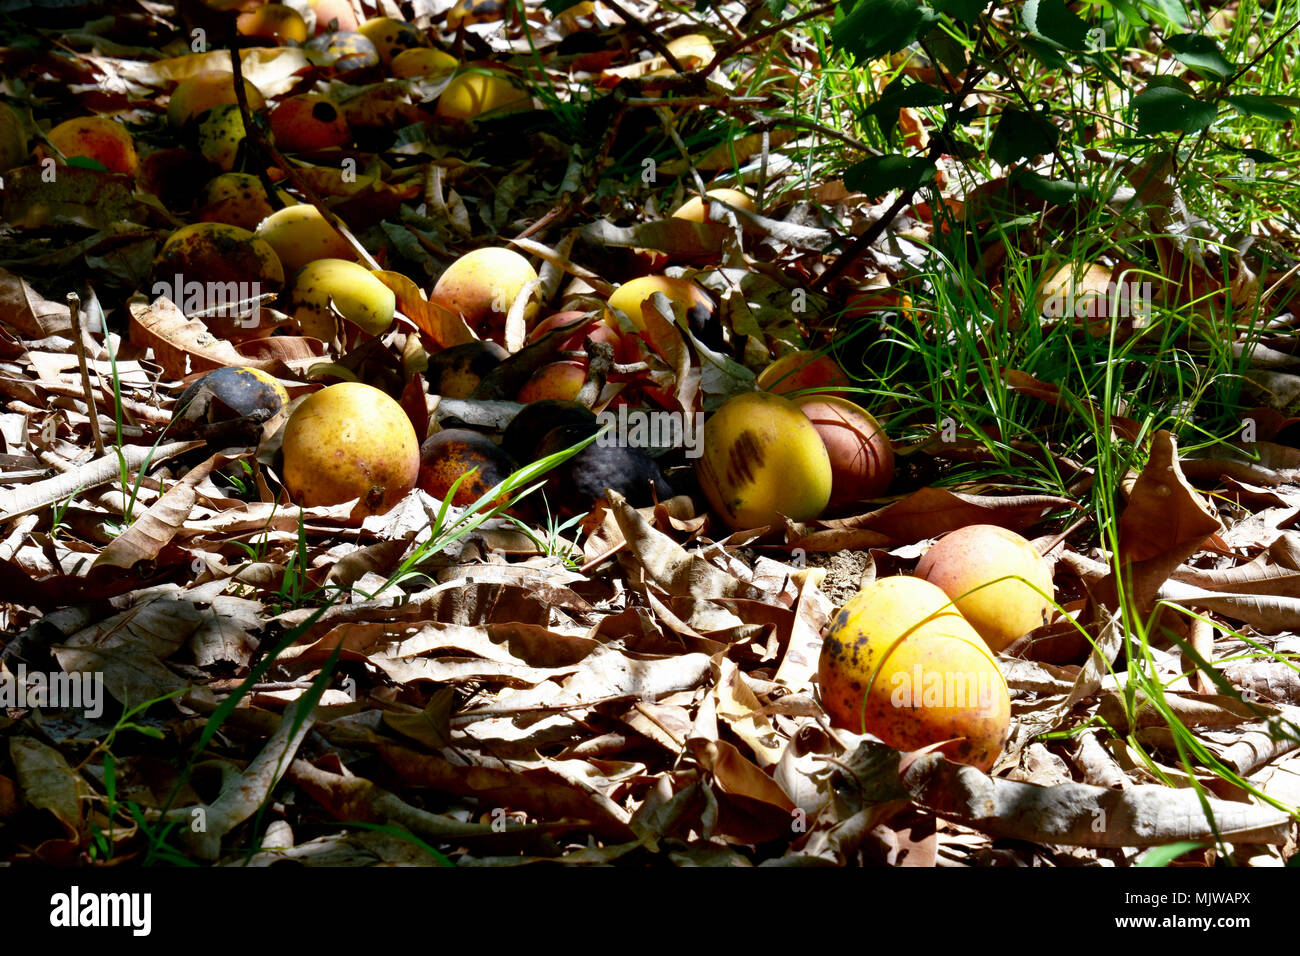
(1053, 20)
(557, 6)
(1200, 53)
(899, 94)
(1164, 855)
(1259, 156)
(967, 11)
(1061, 192)
(1047, 52)
(874, 28)
(1022, 135)
(1248, 104)
(1163, 109)
(881, 174)
(85, 162)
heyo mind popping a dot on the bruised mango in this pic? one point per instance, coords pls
(423, 62)
(352, 49)
(452, 453)
(455, 372)
(899, 662)
(348, 441)
(309, 122)
(972, 557)
(220, 136)
(390, 36)
(237, 199)
(763, 459)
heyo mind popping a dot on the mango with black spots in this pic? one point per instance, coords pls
(901, 663)
(762, 459)
(391, 36)
(308, 122)
(237, 199)
(354, 51)
(236, 396)
(453, 453)
(350, 441)
(466, 12)
(219, 136)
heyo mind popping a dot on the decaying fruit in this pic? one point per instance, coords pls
(577, 484)
(447, 455)
(309, 122)
(209, 267)
(763, 459)
(228, 405)
(801, 370)
(299, 235)
(99, 138)
(483, 284)
(558, 380)
(353, 50)
(526, 431)
(466, 12)
(13, 139)
(862, 458)
(350, 288)
(348, 441)
(423, 62)
(220, 135)
(237, 199)
(478, 91)
(457, 371)
(203, 91)
(977, 554)
(390, 36)
(695, 210)
(897, 664)
(1086, 293)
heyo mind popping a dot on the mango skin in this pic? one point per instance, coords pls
(237, 199)
(390, 36)
(763, 459)
(862, 458)
(358, 296)
(347, 441)
(803, 369)
(203, 91)
(970, 556)
(452, 452)
(474, 93)
(694, 210)
(219, 134)
(99, 138)
(938, 680)
(299, 235)
(482, 285)
(308, 122)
